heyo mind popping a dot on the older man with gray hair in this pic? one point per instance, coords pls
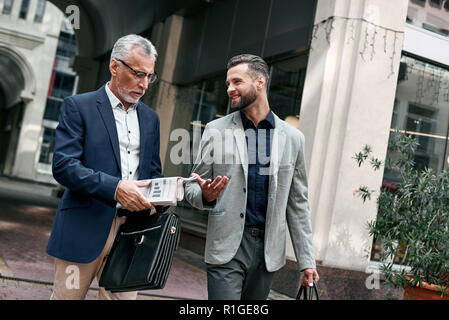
(107, 141)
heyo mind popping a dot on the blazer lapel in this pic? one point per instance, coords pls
(240, 141)
(105, 109)
(276, 153)
(143, 127)
(277, 150)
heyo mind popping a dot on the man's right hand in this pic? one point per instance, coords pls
(211, 189)
(129, 196)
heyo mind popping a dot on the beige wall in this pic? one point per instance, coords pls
(347, 103)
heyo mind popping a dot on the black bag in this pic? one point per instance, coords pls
(142, 253)
(303, 295)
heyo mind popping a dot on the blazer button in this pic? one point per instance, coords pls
(244, 190)
(242, 215)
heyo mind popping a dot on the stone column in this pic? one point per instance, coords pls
(87, 70)
(348, 102)
(163, 98)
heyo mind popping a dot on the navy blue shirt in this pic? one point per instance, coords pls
(258, 142)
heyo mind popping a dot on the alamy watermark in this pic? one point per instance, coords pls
(372, 282)
(224, 147)
(73, 279)
(73, 16)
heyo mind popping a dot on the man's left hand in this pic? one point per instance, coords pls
(309, 276)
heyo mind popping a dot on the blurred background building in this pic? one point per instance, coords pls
(349, 72)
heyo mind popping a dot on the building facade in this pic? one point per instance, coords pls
(29, 31)
(63, 83)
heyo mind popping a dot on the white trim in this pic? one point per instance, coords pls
(426, 44)
(376, 265)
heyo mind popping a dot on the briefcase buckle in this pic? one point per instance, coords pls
(140, 240)
(172, 230)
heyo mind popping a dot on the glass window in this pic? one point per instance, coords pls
(285, 88)
(52, 109)
(40, 10)
(211, 102)
(48, 145)
(63, 85)
(421, 109)
(432, 15)
(66, 45)
(7, 6)
(24, 9)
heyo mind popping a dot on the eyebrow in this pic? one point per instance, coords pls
(233, 79)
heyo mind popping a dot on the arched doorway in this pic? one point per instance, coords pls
(16, 87)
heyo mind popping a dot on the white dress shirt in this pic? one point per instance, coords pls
(128, 131)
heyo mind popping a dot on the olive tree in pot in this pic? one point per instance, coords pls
(412, 222)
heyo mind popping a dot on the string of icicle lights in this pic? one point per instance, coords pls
(373, 33)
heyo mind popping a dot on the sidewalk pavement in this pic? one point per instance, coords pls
(27, 210)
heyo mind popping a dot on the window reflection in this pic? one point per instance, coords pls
(48, 145)
(40, 10)
(421, 109)
(7, 7)
(432, 15)
(211, 102)
(24, 9)
(286, 84)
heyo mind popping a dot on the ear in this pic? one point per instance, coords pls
(261, 82)
(113, 67)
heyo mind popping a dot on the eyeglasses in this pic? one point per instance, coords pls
(152, 77)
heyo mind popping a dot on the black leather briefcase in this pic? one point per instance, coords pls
(142, 253)
(302, 293)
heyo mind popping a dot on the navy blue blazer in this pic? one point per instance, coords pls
(86, 161)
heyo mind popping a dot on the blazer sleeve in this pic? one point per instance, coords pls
(67, 166)
(204, 168)
(298, 214)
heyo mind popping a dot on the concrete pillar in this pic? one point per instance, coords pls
(87, 70)
(348, 102)
(166, 37)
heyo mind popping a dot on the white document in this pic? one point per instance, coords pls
(165, 191)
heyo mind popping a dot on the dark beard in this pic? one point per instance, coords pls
(245, 100)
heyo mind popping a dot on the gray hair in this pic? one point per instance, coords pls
(123, 46)
(256, 65)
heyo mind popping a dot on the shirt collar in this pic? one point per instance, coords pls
(267, 122)
(115, 102)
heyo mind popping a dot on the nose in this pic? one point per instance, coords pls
(143, 83)
(230, 89)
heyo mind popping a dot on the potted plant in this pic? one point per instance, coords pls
(412, 224)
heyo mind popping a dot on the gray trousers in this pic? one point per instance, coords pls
(245, 277)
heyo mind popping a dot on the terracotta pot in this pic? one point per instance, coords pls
(427, 292)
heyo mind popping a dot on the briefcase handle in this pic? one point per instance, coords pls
(307, 293)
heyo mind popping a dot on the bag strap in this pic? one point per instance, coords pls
(307, 293)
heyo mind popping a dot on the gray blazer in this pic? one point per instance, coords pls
(287, 195)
